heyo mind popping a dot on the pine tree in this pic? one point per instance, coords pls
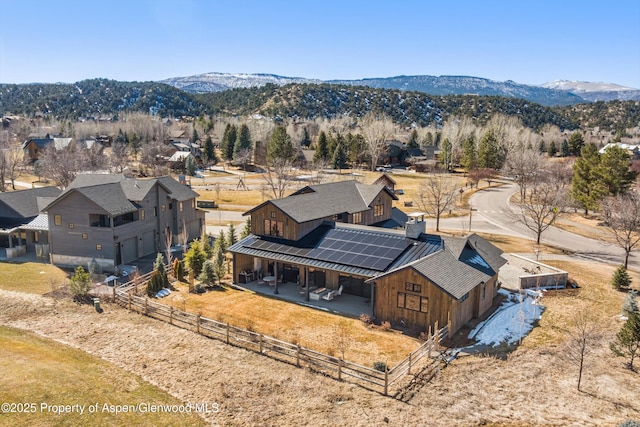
(195, 258)
(614, 170)
(161, 271)
(209, 152)
(469, 158)
(552, 150)
(306, 139)
(80, 284)
(542, 147)
(243, 141)
(627, 341)
(228, 141)
(206, 245)
(321, 148)
(208, 273)
(280, 146)
(339, 160)
(586, 186)
(194, 136)
(446, 154)
(412, 144)
(221, 242)
(190, 166)
(246, 230)
(621, 278)
(231, 235)
(564, 148)
(219, 266)
(630, 305)
(489, 156)
(576, 142)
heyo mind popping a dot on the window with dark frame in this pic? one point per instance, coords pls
(98, 247)
(71, 226)
(378, 210)
(464, 297)
(413, 302)
(57, 219)
(412, 287)
(357, 218)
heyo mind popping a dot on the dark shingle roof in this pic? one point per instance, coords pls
(325, 200)
(25, 202)
(179, 192)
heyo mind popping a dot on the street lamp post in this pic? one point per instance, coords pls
(471, 210)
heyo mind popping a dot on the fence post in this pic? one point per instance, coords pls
(409, 370)
(260, 337)
(114, 292)
(340, 369)
(298, 356)
(386, 380)
(227, 332)
(129, 300)
(436, 333)
(171, 315)
(198, 323)
(146, 305)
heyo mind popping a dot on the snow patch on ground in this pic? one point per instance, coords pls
(512, 321)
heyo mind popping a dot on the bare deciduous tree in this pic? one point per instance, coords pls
(582, 332)
(376, 131)
(622, 217)
(523, 165)
(436, 195)
(62, 166)
(541, 205)
(278, 177)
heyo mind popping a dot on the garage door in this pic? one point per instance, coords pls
(149, 243)
(129, 250)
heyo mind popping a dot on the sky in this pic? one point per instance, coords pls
(530, 42)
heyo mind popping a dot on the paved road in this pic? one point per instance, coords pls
(494, 214)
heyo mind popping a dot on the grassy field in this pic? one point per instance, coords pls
(310, 328)
(32, 277)
(35, 370)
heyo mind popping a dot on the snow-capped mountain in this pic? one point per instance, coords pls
(217, 82)
(595, 91)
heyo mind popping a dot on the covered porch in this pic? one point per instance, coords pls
(344, 304)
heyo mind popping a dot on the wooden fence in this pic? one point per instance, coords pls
(295, 354)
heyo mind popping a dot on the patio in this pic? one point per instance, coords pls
(345, 304)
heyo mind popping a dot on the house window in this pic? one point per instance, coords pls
(464, 297)
(98, 247)
(357, 218)
(378, 210)
(273, 228)
(141, 214)
(36, 237)
(71, 225)
(273, 214)
(484, 290)
(412, 287)
(170, 206)
(180, 206)
(155, 211)
(97, 220)
(164, 208)
(193, 203)
(413, 302)
(85, 236)
(57, 219)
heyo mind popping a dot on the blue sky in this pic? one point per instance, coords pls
(528, 42)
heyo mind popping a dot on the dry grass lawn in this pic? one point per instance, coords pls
(31, 277)
(41, 371)
(291, 322)
(589, 226)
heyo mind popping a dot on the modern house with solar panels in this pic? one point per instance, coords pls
(331, 238)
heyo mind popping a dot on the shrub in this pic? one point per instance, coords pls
(621, 278)
(199, 289)
(80, 284)
(178, 269)
(366, 319)
(380, 366)
(630, 304)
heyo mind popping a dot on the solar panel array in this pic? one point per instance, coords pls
(375, 251)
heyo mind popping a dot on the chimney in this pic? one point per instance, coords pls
(415, 225)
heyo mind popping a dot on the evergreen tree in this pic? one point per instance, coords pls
(621, 278)
(190, 166)
(586, 186)
(332, 143)
(231, 235)
(206, 245)
(627, 341)
(615, 171)
(542, 147)
(446, 154)
(80, 284)
(209, 152)
(208, 273)
(195, 258)
(339, 160)
(228, 141)
(221, 242)
(552, 150)
(412, 144)
(194, 136)
(134, 144)
(161, 271)
(219, 266)
(564, 148)
(321, 148)
(280, 146)
(489, 156)
(576, 142)
(246, 230)
(428, 139)
(306, 139)
(469, 158)
(243, 141)
(630, 305)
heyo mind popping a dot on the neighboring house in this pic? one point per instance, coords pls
(632, 149)
(22, 227)
(116, 220)
(33, 148)
(387, 181)
(408, 277)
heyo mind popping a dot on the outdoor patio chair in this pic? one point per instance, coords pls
(329, 295)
